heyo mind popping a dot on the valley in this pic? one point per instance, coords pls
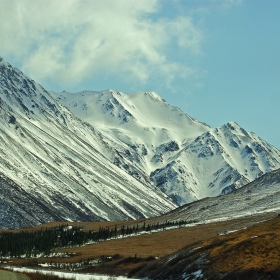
(109, 156)
(139, 247)
(129, 255)
(127, 184)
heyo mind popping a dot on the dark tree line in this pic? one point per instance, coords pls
(32, 243)
(166, 225)
(44, 241)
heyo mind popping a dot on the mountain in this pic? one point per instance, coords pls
(112, 156)
(54, 166)
(155, 141)
(261, 196)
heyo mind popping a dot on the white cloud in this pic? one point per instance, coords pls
(72, 40)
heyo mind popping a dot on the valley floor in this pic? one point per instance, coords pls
(129, 256)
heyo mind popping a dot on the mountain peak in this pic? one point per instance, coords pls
(2, 61)
(148, 93)
(24, 96)
(231, 125)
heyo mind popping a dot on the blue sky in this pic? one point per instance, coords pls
(218, 60)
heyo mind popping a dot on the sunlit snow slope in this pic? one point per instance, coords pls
(54, 166)
(185, 158)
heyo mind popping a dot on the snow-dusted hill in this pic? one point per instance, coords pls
(249, 234)
(185, 158)
(54, 166)
(256, 198)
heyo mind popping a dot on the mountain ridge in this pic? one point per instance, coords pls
(117, 156)
(60, 161)
(180, 154)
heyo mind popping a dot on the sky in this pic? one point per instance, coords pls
(218, 60)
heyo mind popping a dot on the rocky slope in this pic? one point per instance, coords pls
(256, 198)
(54, 166)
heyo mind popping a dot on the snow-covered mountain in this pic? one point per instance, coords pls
(251, 204)
(54, 166)
(256, 198)
(186, 159)
(110, 156)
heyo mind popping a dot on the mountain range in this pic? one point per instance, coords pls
(54, 166)
(188, 160)
(107, 155)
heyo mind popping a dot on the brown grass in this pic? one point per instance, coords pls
(85, 225)
(156, 244)
(234, 251)
(249, 220)
(257, 247)
(251, 253)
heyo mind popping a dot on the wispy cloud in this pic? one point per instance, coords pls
(73, 40)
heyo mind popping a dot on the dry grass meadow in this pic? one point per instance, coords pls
(253, 244)
(257, 247)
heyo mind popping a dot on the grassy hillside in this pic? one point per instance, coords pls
(251, 253)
